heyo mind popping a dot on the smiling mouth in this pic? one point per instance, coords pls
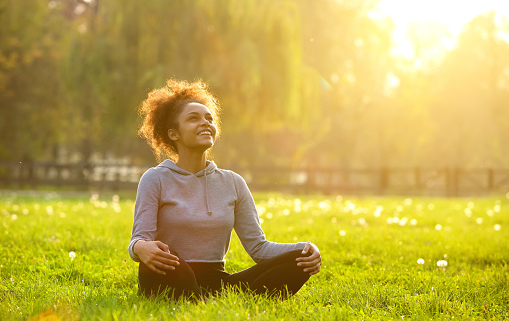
(205, 133)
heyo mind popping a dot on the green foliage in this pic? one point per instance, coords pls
(370, 248)
(304, 82)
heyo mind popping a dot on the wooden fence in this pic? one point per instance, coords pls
(382, 181)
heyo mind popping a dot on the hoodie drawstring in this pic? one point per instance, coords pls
(209, 212)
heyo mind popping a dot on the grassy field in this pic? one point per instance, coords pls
(65, 257)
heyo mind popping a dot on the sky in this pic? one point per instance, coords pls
(453, 14)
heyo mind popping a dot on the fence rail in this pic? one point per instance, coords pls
(381, 181)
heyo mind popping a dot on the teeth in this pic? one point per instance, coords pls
(205, 133)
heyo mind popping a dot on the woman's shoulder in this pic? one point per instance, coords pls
(228, 172)
(151, 174)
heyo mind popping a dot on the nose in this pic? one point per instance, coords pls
(205, 122)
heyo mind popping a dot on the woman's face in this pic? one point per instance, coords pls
(196, 128)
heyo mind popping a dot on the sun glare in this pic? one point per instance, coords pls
(452, 15)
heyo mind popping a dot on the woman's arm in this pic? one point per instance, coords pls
(249, 231)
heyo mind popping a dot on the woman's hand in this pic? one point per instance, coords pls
(156, 255)
(313, 261)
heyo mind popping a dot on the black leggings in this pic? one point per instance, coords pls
(278, 277)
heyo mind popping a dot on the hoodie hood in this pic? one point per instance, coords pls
(211, 167)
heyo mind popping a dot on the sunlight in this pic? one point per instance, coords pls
(452, 15)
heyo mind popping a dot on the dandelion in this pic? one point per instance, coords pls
(438, 227)
(14, 217)
(413, 222)
(420, 261)
(378, 211)
(403, 221)
(442, 263)
(115, 198)
(286, 212)
(431, 206)
(479, 220)
(333, 220)
(324, 206)
(408, 201)
(497, 227)
(496, 208)
(489, 212)
(269, 216)
(72, 255)
(468, 212)
(342, 233)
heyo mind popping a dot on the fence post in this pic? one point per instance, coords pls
(452, 181)
(417, 177)
(490, 179)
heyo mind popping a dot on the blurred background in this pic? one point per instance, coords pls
(315, 91)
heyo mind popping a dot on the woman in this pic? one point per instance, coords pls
(186, 209)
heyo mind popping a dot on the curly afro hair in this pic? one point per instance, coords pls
(160, 111)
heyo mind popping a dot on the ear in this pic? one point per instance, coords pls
(173, 134)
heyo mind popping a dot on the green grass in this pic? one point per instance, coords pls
(369, 271)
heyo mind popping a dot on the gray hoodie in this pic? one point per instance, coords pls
(194, 214)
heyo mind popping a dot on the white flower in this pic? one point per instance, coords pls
(442, 263)
(72, 255)
(420, 261)
(497, 227)
(438, 227)
(342, 233)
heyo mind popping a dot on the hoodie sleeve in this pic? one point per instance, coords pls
(145, 210)
(248, 229)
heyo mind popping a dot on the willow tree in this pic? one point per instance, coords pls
(32, 118)
(470, 107)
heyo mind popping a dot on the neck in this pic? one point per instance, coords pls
(192, 162)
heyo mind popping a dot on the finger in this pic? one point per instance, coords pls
(311, 263)
(162, 246)
(163, 266)
(313, 270)
(156, 269)
(311, 257)
(168, 262)
(306, 248)
(168, 256)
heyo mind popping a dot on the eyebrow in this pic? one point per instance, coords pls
(197, 113)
